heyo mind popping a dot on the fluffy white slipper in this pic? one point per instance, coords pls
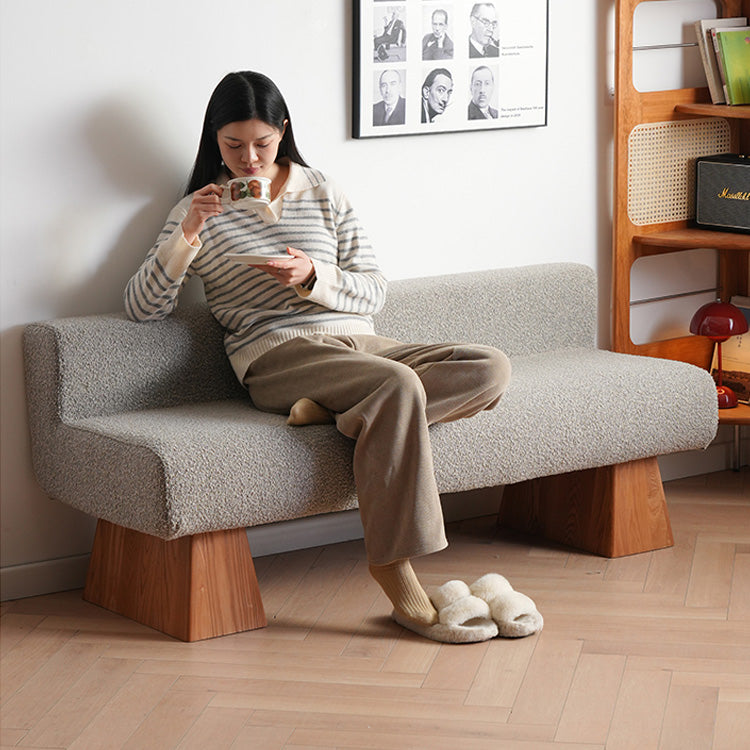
(462, 617)
(514, 613)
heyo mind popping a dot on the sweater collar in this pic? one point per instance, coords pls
(299, 180)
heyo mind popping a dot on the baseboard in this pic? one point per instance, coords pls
(301, 533)
(717, 457)
(332, 528)
(44, 577)
(50, 576)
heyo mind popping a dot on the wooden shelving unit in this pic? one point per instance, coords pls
(632, 241)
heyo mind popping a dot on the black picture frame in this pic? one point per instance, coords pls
(427, 66)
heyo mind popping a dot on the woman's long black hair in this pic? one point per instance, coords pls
(245, 95)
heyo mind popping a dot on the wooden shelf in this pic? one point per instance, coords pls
(739, 415)
(685, 239)
(731, 112)
(670, 110)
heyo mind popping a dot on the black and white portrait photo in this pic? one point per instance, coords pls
(437, 44)
(483, 41)
(482, 90)
(389, 41)
(437, 90)
(391, 109)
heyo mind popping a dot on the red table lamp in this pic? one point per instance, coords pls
(720, 321)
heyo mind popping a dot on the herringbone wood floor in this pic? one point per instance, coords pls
(651, 651)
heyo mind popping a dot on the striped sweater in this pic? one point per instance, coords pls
(310, 214)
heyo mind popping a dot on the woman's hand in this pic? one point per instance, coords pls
(206, 203)
(297, 270)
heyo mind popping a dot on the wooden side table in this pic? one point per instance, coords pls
(738, 416)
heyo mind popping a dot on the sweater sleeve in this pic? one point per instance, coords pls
(355, 283)
(152, 292)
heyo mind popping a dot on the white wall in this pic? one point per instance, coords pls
(102, 103)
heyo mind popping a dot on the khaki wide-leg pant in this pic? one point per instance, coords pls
(384, 394)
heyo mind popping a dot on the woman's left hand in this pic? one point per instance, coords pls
(298, 269)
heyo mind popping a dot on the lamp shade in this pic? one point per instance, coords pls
(718, 321)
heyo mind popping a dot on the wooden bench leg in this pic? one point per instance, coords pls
(611, 511)
(194, 587)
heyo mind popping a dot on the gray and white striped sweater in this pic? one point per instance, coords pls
(310, 214)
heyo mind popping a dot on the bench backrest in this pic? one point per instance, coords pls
(104, 364)
(519, 310)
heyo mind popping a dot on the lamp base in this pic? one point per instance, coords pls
(727, 397)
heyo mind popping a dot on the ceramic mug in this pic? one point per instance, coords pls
(248, 190)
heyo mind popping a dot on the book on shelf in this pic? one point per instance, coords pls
(734, 48)
(704, 33)
(735, 357)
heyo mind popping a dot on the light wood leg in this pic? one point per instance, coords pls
(194, 587)
(611, 511)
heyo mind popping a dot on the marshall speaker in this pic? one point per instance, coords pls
(722, 192)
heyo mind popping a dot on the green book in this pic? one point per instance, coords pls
(734, 45)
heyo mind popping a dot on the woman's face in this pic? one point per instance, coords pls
(249, 148)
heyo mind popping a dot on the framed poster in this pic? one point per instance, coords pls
(435, 66)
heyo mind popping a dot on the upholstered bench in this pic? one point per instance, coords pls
(144, 426)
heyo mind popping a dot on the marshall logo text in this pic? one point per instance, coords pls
(738, 196)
